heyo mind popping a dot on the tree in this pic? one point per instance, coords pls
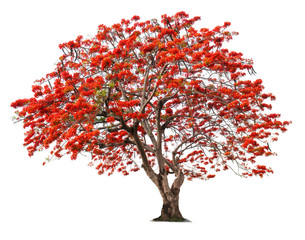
(161, 96)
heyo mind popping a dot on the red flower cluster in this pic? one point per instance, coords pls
(163, 91)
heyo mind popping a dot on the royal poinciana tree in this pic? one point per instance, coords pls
(156, 95)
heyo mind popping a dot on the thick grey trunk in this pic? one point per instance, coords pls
(170, 209)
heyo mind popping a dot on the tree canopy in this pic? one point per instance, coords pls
(160, 95)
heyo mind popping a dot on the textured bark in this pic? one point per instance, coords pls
(170, 195)
(170, 209)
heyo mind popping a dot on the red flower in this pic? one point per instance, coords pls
(110, 119)
(210, 176)
(169, 111)
(135, 18)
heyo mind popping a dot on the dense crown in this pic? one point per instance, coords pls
(161, 94)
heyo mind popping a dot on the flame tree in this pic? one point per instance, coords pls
(157, 95)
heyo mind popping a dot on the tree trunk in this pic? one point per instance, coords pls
(170, 209)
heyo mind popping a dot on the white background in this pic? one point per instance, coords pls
(67, 200)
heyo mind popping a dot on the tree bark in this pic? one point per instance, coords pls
(170, 196)
(170, 210)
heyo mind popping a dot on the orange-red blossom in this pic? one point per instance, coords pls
(157, 80)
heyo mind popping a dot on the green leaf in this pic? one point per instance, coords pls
(111, 84)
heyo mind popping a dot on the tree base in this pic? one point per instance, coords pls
(160, 219)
